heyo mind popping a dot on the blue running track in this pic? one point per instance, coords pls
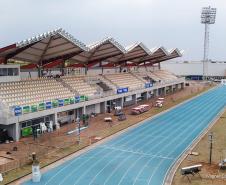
(143, 155)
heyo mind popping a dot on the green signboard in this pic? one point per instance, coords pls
(34, 108)
(83, 98)
(66, 101)
(26, 131)
(26, 109)
(41, 106)
(72, 100)
(55, 103)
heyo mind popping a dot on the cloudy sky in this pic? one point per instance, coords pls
(169, 23)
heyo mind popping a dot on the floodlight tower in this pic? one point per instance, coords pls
(208, 17)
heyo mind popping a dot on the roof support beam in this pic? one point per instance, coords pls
(11, 55)
(128, 59)
(101, 59)
(63, 57)
(44, 51)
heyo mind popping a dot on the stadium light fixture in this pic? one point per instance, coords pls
(208, 16)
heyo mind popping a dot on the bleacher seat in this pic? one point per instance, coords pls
(32, 91)
(79, 84)
(125, 80)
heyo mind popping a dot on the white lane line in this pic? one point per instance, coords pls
(191, 126)
(201, 125)
(135, 152)
(88, 169)
(66, 166)
(119, 164)
(131, 134)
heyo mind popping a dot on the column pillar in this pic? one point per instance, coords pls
(84, 110)
(17, 131)
(55, 117)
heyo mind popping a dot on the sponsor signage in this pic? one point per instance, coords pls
(26, 109)
(18, 111)
(122, 90)
(55, 103)
(148, 85)
(66, 101)
(26, 131)
(48, 105)
(41, 106)
(34, 108)
(61, 103)
(77, 99)
(72, 100)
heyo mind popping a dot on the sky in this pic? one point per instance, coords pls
(168, 23)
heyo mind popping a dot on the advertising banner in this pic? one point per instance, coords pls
(119, 91)
(125, 90)
(82, 98)
(66, 101)
(148, 85)
(41, 106)
(61, 103)
(18, 111)
(77, 99)
(26, 131)
(122, 90)
(26, 109)
(48, 105)
(34, 108)
(54, 103)
(72, 100)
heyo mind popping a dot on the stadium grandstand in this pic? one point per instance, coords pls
(53, 73)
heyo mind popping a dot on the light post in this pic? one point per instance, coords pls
(79, 128)
(208, 17)
(210, 138)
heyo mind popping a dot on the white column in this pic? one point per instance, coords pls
(17, 131)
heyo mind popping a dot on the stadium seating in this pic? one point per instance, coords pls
(125, 80)
(165, 75)
(79, 84)
(32, 91)
(148, 76)
(45, 89)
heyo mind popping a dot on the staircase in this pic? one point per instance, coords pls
(104, 86)
(138, 77)
(66, 85)
(109, 83)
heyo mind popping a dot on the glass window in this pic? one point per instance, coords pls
(4, 71)
(10, 71)
(1, 72)
(15, 71)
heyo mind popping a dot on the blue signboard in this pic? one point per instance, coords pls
(122, 90)
(18, 111)
(48, 105)
(148, 85)
(61, 103)
(77, 99)
(119, 91)
(125, 90)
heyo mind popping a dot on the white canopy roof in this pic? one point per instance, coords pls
(60, 45)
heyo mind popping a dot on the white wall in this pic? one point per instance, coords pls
(195, 68)
(10, 78)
